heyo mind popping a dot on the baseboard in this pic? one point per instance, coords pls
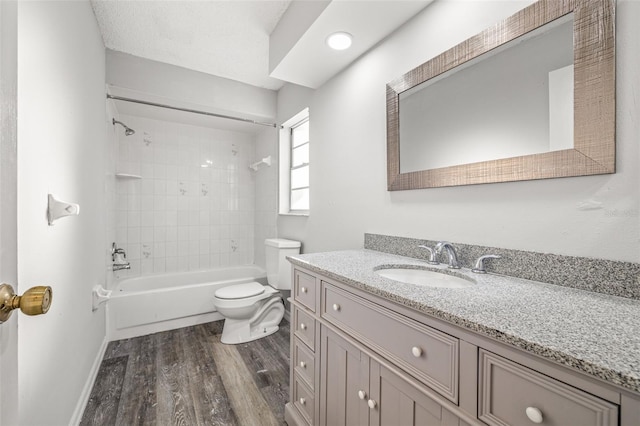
(88, 386)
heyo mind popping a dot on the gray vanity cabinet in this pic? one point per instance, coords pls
(356, 390)
(344, 382)
(397, 402)
(359, 359)
(509, 392)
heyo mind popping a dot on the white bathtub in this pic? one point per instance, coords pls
(152, 303)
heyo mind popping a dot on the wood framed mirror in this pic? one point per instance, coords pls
(415, 162)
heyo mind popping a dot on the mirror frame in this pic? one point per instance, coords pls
(594, 100)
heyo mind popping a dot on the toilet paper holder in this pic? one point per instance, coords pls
(57, 209)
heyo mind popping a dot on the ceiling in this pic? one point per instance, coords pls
(259, 42)
(228, 39)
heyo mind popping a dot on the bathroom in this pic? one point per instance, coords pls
(60, 139)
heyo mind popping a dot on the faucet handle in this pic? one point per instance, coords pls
(479, 268)
(440, 245)
(432, 255)
(117, 250)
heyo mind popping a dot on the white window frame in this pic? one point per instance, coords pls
(285, 164)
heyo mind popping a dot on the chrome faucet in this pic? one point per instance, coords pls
(121, 266)
(451, 252)
(432, 255)
(479, 267)
(119, 258)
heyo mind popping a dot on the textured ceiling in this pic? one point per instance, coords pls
(228, 39)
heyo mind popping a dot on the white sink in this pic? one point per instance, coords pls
(427, 278)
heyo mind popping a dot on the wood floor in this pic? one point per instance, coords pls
(187, 377)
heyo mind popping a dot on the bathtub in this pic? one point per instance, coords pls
(153, 303)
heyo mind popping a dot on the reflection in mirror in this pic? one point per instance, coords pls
(512, 101)
(531, 119)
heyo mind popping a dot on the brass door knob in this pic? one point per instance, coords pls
(34, 301)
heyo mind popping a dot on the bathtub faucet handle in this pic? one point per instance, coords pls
(117, 250)
(119, 258)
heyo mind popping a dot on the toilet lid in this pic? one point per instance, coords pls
(240, 291)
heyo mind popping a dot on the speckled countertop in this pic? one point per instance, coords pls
(594, 333)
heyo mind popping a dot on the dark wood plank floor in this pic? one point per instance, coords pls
(187, 377)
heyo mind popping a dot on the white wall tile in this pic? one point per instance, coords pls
(146, 266)
(146, 234)
(181, 216)
(171, 248)
(171, 264)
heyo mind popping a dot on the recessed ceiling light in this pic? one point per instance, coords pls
(339, 40)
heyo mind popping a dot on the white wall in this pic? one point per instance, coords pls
(266, 181)
(291, 100)
(595, 216)
(181, 216)
(61, 150)
(174, 83)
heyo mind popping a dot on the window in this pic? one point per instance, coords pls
(294, 165)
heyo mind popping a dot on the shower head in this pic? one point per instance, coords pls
(128, 131)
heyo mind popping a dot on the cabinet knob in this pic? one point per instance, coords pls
(303, 326)
(416, 351)
(534, 414)
(303, 401)
(303, 289)
(362, 394)
(303, 364)
(372, 404)
(336, 307)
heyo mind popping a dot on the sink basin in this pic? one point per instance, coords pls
(427, 278)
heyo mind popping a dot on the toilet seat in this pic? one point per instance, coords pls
(242, 301)
(240, 291)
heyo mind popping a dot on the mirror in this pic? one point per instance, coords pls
(531, 98)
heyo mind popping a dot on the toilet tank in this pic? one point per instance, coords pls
(278, 267)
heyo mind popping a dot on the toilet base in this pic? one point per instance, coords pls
(262, 324)
(233, 334)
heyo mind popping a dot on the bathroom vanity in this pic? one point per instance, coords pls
(502, 351)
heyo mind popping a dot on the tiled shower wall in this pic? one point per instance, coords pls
(194, 206)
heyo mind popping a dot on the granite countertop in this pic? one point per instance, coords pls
(591, 332)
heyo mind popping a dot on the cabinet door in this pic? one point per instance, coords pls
(399, 403)
(344, 382)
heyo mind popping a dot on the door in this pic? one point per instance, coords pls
(397, 402)
(8, 207)
(344, 382)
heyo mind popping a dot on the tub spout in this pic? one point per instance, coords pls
(120, 266)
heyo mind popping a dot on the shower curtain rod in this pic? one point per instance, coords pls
(194, 111)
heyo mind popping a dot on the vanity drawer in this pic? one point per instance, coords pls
(427, 354)
(511, 394)
(304, 362)
(304, 289)
(303, 399)
(304, 327)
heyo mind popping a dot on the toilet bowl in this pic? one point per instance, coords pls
(253, 310)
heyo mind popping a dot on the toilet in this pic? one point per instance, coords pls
(253, 310)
